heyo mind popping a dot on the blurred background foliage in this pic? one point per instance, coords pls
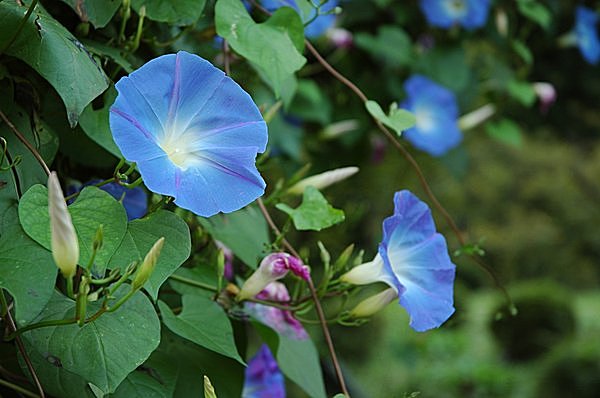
(524, 184)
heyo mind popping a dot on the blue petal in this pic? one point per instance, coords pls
(588, 41)
(193, 132)
(417, 258)
(444, 13)
(436, 130)
(262, 378)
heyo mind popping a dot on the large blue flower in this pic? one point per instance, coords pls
(436, 130)
(413, 260)
(586, 31)
(319, 25)
(193, 132)
(262, 378)
(470, 14)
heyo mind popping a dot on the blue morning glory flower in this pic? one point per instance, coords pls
(586, 31)
(262, 378)
(470, 14)
(413, 260)
(193, 132)
(318, 26)
(436, 130)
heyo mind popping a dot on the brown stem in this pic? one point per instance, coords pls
(273, 226)
(13, 328)
(315, 297)
(22, 138)
(409, 158)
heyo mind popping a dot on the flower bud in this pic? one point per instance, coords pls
(209, 390)
(546, 93)
(476, 117)
(340, 37)
(323, 180)
(273, 267)
(374, 303)
(65, 247)
(143, 273)
(98, 238)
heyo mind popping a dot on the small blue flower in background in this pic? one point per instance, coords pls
(193, 132)
(262, 378)
(318, 26)
(470, 14)
(436, 130)
(134, 200)
(586, 31)
(413, 260)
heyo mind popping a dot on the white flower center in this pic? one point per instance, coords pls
(178, 148)
(455, 7)
(425, 120)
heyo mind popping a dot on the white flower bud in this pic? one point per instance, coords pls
(143, 273)
(374, 303)
(65, 247)
(323, 180)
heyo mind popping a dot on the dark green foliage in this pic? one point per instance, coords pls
(572, 371)
(544, 320)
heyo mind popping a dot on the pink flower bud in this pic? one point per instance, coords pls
(273, 267)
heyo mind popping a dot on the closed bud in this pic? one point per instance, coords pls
(323, 180)
(374, 303)
(99, 238)
(209, 390)
(476, 117)
(273, 267)
(65, 247)
(145, 270)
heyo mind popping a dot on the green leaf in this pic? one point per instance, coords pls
(245, 232)
(115, 54)
(203, 322)
(102, 352)
(29, 171)
(535, 11)
(154, 379)
(298, 359)
(27, 270)
(310, 103)
(57, 381)
(315, 213)
(278, 60)
(523, 51)
(507, 131)
(203, 273)
(192, 361)
(398, 119)
(180, 12)
(97, 12)
(522, 92)
(92, 208)
(447, 66)
(142, 234)
(392, 45)
(94, 123)
(46, 46)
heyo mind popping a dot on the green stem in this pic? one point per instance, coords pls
(18, 389)
(121, 301)
(192, 282)
(20, 27)
(70, 288)
(55, 322)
